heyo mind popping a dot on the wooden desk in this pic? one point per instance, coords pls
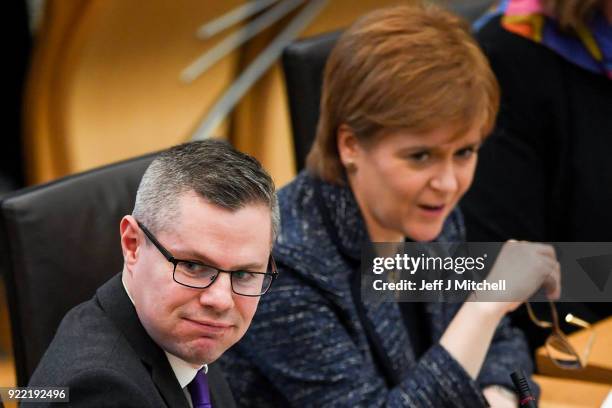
(564, 393)
(599, 367)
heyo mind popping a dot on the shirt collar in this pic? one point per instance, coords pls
(183, 371)
(126, 289)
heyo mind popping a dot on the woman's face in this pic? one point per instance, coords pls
(406, 184)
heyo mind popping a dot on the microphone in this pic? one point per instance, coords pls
(526, 398)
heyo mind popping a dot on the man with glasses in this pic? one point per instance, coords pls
(197, 258)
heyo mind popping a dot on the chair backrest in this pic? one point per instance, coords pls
(303, 65)
(470, 10)
(58, 243)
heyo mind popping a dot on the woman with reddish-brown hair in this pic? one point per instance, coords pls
(407, 99)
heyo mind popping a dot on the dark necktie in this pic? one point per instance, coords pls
(198, 388)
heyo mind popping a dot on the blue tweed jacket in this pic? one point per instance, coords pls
(311, 344)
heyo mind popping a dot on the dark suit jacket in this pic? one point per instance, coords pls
(103, 353)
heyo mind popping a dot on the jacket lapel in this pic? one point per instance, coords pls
(220, 393)
(115, 301)
(167, 384)
(382, 321)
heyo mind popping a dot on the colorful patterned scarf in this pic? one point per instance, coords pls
(590, 48)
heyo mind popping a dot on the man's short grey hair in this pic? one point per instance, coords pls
(214, 170)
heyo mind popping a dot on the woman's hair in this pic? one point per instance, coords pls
(571, 14)
(414, 68)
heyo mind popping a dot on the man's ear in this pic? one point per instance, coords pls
(131, 239)
(348, 147)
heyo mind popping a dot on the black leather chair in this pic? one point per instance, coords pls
(470, 9)
(58, 243)
(303, 64)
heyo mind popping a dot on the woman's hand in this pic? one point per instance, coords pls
(525, 266)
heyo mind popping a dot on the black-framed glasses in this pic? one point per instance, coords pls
(198, 275)
(558, 347)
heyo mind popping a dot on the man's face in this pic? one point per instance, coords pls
(197, 325)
